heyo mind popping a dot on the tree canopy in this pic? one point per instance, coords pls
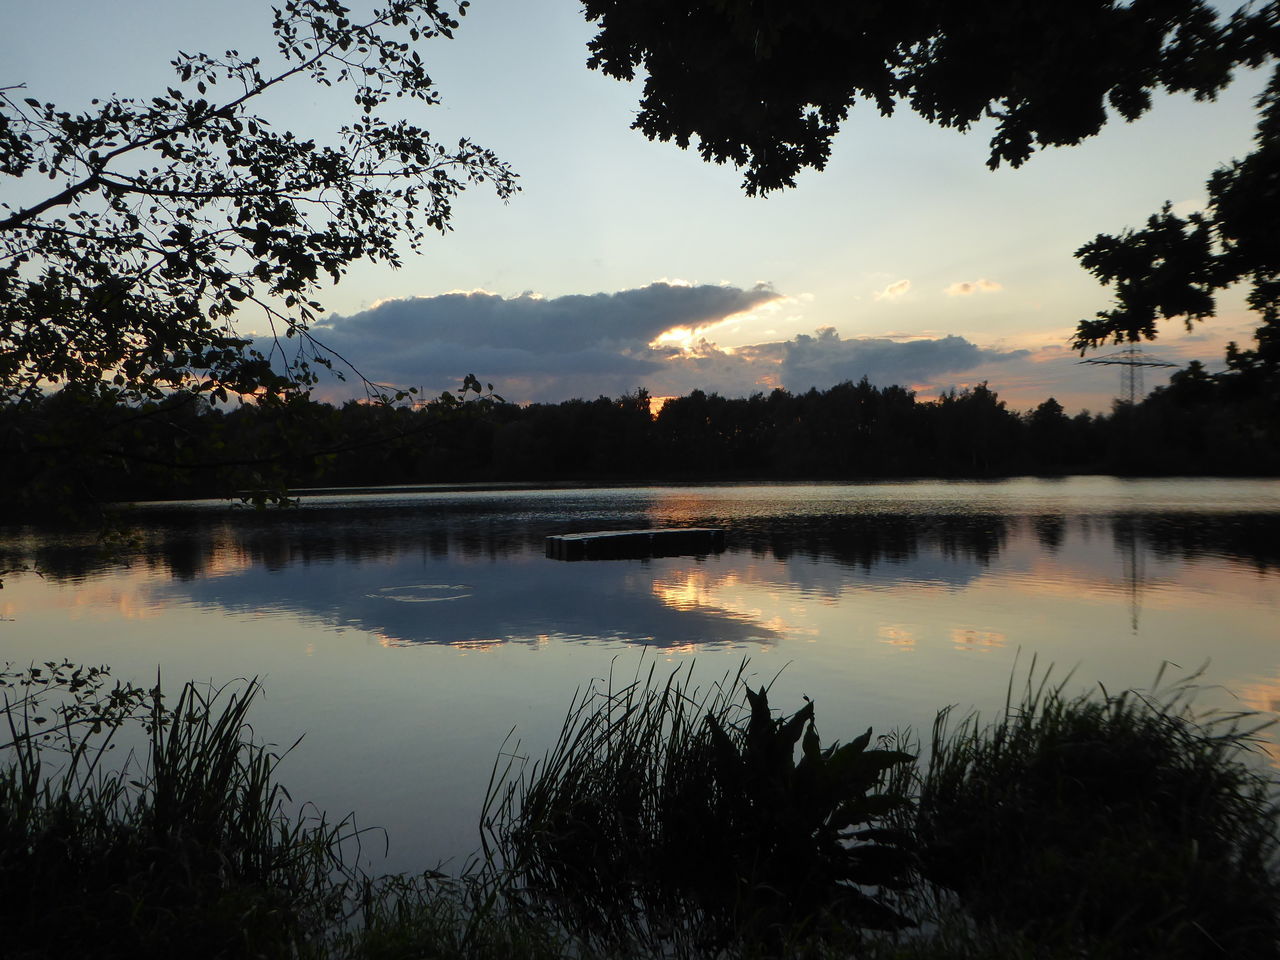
(163, 220)
(766, 84)
(1198, 425)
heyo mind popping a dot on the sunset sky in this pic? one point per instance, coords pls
(626, 264)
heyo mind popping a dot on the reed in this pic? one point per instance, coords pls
(1124, 825)
(431, 915)
(680, 818)
(667, 819)
(181, 847)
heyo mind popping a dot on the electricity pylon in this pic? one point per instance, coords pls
(1131, 360)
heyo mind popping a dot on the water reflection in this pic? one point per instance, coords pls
(970, 639)
(469, 569)
(416, 597)
(1050, 531)
(1262, 695)
(187, 547)
(410, 633)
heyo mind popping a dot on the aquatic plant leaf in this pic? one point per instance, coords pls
(728, 836)
(864, 809)
(858, 744)
(876, 866)
(790, 731)
(761, 728)
(879, 804)
(726, 758)
(811, 746)
(883, 835)
(850, 767)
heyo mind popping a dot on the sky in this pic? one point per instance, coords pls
(624, 264)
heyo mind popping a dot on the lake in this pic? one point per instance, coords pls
(406, 632)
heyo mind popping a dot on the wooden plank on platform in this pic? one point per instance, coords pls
(630, 544)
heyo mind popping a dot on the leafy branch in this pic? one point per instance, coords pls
(173, 214)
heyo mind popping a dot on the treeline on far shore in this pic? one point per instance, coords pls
(74, 448)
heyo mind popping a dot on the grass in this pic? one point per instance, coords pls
(666, 819)
(434, 917)
(1117, 826)
(188, 846)
(183, 851)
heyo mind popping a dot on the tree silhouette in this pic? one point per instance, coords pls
(766, 84)
(165, 218)
(1049, 435)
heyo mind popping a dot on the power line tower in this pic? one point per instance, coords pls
(1131, 360)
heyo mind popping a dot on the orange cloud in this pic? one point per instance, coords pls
(894, 291)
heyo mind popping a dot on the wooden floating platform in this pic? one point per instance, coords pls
(631, 544)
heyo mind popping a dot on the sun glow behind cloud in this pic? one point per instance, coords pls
(681, 337)
(670, 338)
(698, 340)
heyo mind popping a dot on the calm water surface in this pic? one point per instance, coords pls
(407, 632)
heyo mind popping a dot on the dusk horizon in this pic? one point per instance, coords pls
(905, 245)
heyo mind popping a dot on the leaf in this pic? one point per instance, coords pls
(761, 717)
(888, 835)
(812, 746)
(850, 767)
(865, 809)
(728, 761)
(791, 730)
(858, 744)
(876, 866)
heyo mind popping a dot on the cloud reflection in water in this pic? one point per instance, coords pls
(468, 569)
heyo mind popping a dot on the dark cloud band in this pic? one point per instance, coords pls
(826, 359)
(535, 348)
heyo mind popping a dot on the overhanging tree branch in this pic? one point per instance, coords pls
(133, 279)
(766, 86)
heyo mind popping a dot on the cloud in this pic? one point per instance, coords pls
(554, 348)
(964, 288)
(599, 338)
(826, 359)
(893, 291)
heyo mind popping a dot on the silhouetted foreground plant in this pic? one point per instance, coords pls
(186, 851)
(670, 816)
(665, 818)
(433, 916)
(1120, 826)
(185, 848)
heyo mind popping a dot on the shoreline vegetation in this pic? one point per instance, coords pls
(667, 820)
(81, 452)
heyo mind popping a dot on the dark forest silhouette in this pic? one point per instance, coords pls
(84, 450)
